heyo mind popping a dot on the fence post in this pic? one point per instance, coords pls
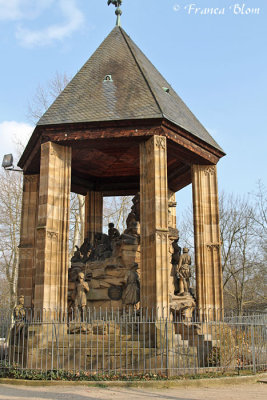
(253, 349)
(167, 346)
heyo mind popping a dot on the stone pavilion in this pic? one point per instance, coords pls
(118, 128)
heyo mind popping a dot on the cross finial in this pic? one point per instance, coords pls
(118, 12)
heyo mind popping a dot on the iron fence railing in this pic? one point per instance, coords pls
(136, 342)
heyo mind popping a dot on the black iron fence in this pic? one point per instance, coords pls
(133, 342)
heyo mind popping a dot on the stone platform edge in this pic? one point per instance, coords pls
(205, 382)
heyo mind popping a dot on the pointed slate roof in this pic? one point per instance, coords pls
(135, 92)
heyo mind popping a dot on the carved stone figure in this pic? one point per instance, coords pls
(131, 293)
(130, 235)
(183, 272)
(85, 249)
(113, 234)
(136, 206)
(19, 310)
(76, 256)
(171, 204)
(81, 291)
(176, 255)
(19, 329)
(131, 219)
(176, 252)
(102, 248)
(82, 254)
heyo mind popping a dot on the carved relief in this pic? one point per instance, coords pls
(162, 235)
(213, 246)
(210, 170)
(161, 142)
(52, 235)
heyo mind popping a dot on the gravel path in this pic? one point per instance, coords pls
(239, 392)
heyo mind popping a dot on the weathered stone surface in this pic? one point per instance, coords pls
(93, 214)
(207, 239)
(100, 294)
(51, 284)
(114, 281)
(154, 224)
(71, 285)
(116, 272)
(26, 270)
(182, 307)
(98, 273)
(103, 284)
(94, 284)
(129, 257)
(104, 274)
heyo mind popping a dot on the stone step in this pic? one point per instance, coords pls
(87, 340)
(101, 364)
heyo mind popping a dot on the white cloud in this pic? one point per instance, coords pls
(15, 10)
(74, 20)
(12, 133)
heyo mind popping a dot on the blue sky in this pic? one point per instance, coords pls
(216, 63)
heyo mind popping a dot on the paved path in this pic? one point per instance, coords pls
(240, 392)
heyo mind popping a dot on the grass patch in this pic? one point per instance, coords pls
(15, 372)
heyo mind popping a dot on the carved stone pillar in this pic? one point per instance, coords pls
(172, 209)
(154, 225)
(53, 228)
(26, 270)
(93, 214)
(172, 235)
(207, 240)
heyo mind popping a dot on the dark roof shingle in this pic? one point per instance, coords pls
(135, 92)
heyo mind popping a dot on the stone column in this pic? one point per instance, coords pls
(53, 228)
(207, 240)
(154, 225)
(93, 214)
(26, 270)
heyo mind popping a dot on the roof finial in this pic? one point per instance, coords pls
(118, 12)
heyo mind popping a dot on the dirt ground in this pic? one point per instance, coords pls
(252, 391)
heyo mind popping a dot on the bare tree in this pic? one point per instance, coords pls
(4, 293)
(45, 95)
(243, 247)
(43, 98)
(77, 220)
(116, 210)
(242, 252)
(261, 210)
(10, 214)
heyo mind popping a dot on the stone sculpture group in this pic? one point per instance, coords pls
(105, 273)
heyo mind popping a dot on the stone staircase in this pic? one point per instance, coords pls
(117, 347)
